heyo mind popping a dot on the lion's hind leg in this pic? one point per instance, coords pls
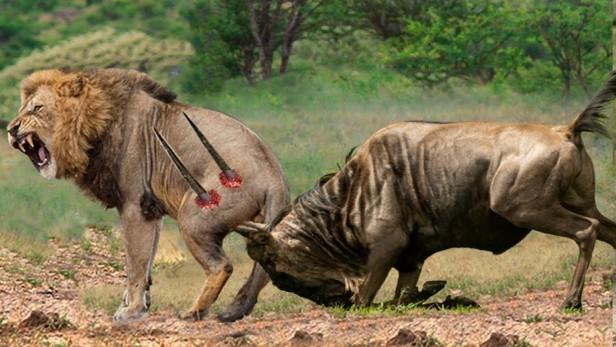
(205, 244)
(246, 297)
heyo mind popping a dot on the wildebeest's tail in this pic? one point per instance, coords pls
(592, 118)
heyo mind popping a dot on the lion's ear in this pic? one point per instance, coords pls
(72, 86)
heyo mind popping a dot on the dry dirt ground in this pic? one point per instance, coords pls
(60, 318)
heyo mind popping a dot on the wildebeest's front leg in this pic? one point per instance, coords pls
(406, 289)
(141, 240)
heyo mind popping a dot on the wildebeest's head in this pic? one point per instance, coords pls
(287, 267)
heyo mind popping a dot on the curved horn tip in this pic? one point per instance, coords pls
(254, 231)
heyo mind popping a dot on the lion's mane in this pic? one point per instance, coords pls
(87, 102)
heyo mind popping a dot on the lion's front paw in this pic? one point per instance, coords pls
(126, 315)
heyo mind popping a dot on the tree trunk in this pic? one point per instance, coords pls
(290, 33)
(262, 26)
(249, 59)
(566, 74)
(267, 58)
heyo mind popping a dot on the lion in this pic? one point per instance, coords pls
(94, 127)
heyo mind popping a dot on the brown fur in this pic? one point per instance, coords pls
(97, 127)
(87, 103)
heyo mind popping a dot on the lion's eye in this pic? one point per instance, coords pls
(37, 108)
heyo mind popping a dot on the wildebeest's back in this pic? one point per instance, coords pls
(443, 174)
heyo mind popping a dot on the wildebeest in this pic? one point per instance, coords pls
(416, 188)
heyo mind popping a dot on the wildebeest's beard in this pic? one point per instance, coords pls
(322, 290)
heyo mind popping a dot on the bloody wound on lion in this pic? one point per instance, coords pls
(228, 177)
(205, 199)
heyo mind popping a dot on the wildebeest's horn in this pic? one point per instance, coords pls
(255, 232)
(205, 199)
(228, 177)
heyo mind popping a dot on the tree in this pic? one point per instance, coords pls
(16, 38)
(278, 24)
(224, 46)
(230, 37)
(387, 18)
(576, 34)
(468, 39)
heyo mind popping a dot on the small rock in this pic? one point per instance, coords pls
(406, 337)
(304, 338)
(500, 340)
(237, 339)
(36, 319)
(39, 319)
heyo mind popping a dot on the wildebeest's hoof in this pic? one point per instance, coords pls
(236, 310)
(193, 315)
(230, 316)
(452, 303)
(428, 290)
(125, 315)
(432, 287)
(571, 305)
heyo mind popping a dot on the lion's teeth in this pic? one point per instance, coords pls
(21, 146)
(30, 141)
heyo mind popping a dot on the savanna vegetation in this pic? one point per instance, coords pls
(313, 79)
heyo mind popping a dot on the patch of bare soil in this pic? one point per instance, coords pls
(40, 305)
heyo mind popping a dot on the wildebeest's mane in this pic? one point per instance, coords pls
(320, 213)
(320, 182)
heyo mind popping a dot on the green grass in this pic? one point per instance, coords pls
(311, 117)
(36, 209)
(68, 273)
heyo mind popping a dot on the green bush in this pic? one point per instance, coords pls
(160, 58)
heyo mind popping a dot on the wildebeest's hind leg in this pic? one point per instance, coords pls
(557, 220)
(246, 297)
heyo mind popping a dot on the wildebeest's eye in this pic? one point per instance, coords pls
(37, 108)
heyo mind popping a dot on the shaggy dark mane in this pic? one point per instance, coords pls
(320, 182)
(320, 213)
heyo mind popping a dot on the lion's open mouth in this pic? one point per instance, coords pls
(32, 146)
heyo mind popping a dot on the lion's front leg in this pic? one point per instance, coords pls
(141, 241)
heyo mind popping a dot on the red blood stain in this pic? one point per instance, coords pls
(208, 200)
(230, 179)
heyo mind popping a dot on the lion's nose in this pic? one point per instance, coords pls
(14, 129)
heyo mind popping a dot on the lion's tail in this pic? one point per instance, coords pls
(592, 119)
